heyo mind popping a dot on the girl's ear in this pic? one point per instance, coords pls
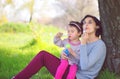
(80, 33)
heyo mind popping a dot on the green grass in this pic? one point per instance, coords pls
(19, 43)
(14, 27)
(106, 74)
(18, 47)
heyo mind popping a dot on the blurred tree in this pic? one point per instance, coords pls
(30, 6)
(3, 17)
(9, 1)
(61, 11)
(76, 10)
(110, 17)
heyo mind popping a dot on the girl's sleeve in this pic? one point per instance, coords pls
(59, 42)
(97, 53)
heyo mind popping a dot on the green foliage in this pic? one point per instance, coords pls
(40, 75)
(106, 74)
(13, 59)
(18, 47)
(10, 59)
(14, 27)
(29, 44)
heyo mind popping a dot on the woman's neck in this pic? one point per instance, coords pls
(92, 38)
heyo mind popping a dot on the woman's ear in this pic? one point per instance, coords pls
(97, 27)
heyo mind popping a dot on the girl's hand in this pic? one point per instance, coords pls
(63, 56)
(72, 52)
(59, 35)
(84, 38)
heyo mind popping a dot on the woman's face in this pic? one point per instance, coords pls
(73, 33)
(89, 25)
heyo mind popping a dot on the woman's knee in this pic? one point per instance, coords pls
(42, 52)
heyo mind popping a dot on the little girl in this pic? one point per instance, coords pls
(72, 42)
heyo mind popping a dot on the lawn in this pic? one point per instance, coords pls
(19, 43)
(18, 47)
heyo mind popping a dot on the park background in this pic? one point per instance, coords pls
(28, 26)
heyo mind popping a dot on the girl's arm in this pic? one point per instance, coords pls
(58, 41)
(73, 53)
(63, 56)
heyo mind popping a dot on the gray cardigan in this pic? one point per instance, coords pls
(92, 56)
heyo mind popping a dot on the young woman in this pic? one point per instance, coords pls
(92, 49)
(72, 41)
(92, 54)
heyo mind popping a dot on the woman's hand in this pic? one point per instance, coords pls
(63, 56)
(84, 38)
(59, 35)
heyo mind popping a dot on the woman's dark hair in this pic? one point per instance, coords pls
(77, 25)
(98, 23)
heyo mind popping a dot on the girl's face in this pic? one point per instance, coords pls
(89, 25)
(73, 33)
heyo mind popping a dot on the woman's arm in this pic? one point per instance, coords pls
(96, 54)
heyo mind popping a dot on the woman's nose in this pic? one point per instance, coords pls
(85, 26)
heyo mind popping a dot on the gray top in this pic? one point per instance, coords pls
(76, 48)
(92, 56)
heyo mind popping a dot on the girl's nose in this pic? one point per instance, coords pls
(69, 34)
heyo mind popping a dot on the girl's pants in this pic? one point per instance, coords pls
(62, 68)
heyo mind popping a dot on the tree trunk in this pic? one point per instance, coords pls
(110, 18)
